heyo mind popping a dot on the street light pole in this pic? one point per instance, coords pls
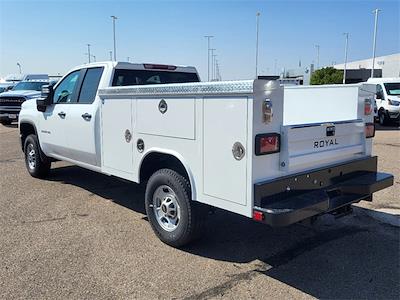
(88, 49)
(376, 11)
(115, 47)
(208, 37)
(214, 67)
(317, 47)
(345, 56)
(257, 29)
(212, 62)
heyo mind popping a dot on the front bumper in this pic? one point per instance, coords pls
(394, 115)
(291, 199)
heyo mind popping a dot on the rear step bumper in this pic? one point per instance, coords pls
(297, 197)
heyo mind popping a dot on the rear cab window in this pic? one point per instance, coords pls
(124, 77)
(89, 85)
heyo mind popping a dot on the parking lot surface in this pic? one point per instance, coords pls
(80, 234)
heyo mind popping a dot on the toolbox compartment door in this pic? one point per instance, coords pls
(117, 147)
(224, 124)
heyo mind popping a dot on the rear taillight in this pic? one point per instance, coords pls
(369, 130)
(159, 67)
(368, 107)
(267, 143)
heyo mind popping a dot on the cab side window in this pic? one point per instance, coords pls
(65, 90)
(90, 84)
(379, 92)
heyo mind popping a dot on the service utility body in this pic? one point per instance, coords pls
(279, 155)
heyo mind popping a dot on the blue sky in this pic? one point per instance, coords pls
(51, 36)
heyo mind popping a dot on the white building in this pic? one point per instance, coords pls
(389, 64)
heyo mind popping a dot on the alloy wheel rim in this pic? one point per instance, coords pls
(31, 155)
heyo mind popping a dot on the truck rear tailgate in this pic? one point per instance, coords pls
(306, 146)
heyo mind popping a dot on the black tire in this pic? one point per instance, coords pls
(190, 225)
(5, 121)
(383, 118)
(37, 163)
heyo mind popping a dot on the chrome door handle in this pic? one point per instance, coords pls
(86, 116)
(62, 114)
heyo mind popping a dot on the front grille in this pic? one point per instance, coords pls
(11, 101)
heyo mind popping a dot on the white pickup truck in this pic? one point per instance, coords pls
(276, 154)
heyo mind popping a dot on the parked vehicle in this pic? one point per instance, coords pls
(6, 86)
(10, 102)
(387, 99)
(276, 154)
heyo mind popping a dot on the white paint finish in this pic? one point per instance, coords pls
(81, 133)
(52, 130)
(201, 125)
(178, 121)
(116, 118)
(319, 104)
(224, 124)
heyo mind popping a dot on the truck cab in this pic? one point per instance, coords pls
(387, 99)
(75, 106)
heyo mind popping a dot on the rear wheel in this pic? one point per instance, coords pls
(37, 163)
(174, 217)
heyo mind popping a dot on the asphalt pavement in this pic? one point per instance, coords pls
(80, 234)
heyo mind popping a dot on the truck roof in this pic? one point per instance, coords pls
(383, 80)
(140, 66)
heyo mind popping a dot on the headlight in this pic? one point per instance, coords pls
(394, 102)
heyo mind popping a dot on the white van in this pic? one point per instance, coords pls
(387, 99)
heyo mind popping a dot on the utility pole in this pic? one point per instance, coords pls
(94, 58)
(257, 29)
(317, 47)
(115, 46)
(376, 11)
(110, 55)
(345, 56)
(208, 37)
(88, 50)
(20, 68)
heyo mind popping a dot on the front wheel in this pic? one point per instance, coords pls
(37, 163)
(5, 121)
(174, 217)
(383, 119)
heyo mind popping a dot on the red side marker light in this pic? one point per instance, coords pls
(258, 216)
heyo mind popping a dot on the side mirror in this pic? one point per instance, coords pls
(46, 98)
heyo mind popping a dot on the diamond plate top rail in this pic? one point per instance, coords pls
(197, 88)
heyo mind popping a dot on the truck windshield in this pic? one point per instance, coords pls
(123, 77)
(392, 88)
(29, 86)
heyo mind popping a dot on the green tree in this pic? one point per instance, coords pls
(327, 75)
